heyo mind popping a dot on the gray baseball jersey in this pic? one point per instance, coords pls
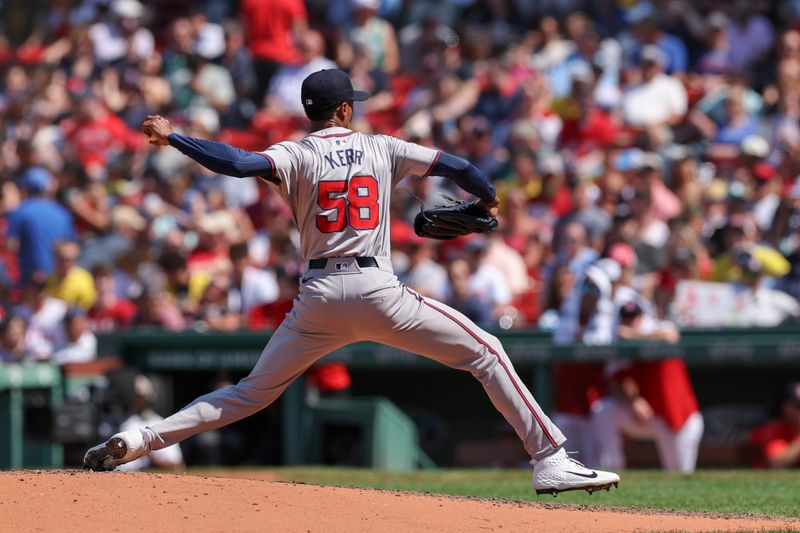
(338, 185)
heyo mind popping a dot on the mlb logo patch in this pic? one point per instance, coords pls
(309, 101)
(341, 266)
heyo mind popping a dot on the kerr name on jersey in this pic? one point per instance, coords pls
(341, 158)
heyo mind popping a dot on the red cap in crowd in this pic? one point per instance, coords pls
(624, 254)
(764, 171)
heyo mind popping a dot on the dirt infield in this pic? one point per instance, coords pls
(88, 502)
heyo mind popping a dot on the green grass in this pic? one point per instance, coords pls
(759, 492)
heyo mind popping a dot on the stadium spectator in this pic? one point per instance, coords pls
(127, 227)
(69, 282)
(588, 215)
(44, 316)
(460, 294)
(656, 103)
(121, 35)
(764, 306)
(110, 312)
(13, 344)
(509, 262)
(739, 125)
(518, 225)
(156, 308)
(373, 34)
(273, 28)
(529, 303)
(209, 37)
(215, 312)
(238, 61)
(671, 135)
(37, 224)
(647, 32)
(80, 344)
(487, 285)
(270, 315)
(558, 290)
(185, 287)
(777, 442)
(587, 126)
(424, 274)
(285, 85)
(96, 135)
(251, 286)
(573, 250)
(210, 89)
(753, 34)
(717, 58)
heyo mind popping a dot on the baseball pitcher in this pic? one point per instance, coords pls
(338, 185)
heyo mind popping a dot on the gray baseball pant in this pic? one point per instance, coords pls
(343, 304)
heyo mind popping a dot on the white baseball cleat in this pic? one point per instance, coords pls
(120, 449)
(559, 473)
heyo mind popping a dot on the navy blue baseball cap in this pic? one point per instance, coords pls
(325, 89)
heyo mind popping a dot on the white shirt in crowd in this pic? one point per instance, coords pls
(110, 44)
(429, 278)
(768, 307)
(653, 102)
(210, 42)
(489, 286)
(510, 264)
(46, 329)
(81, 351)
(764, 210)
(258, 287)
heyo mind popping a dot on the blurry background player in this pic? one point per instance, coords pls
(141, 413)
(651, 400)
(778, 441)
(586, 318)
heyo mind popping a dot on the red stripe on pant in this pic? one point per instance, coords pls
(499, 360)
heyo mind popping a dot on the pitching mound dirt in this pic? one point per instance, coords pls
(88, 502)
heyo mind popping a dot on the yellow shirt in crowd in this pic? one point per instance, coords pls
(76, 288)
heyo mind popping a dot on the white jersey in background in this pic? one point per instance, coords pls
(338, 185)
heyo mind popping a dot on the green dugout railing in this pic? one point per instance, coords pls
(26, 387)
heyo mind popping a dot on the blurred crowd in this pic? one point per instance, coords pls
(634, 144)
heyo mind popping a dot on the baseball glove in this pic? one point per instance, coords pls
(454, 219)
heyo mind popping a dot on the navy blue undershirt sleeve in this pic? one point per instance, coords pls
(222, 158)
(465, 175)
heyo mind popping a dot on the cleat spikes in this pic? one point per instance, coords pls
(591, 490)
